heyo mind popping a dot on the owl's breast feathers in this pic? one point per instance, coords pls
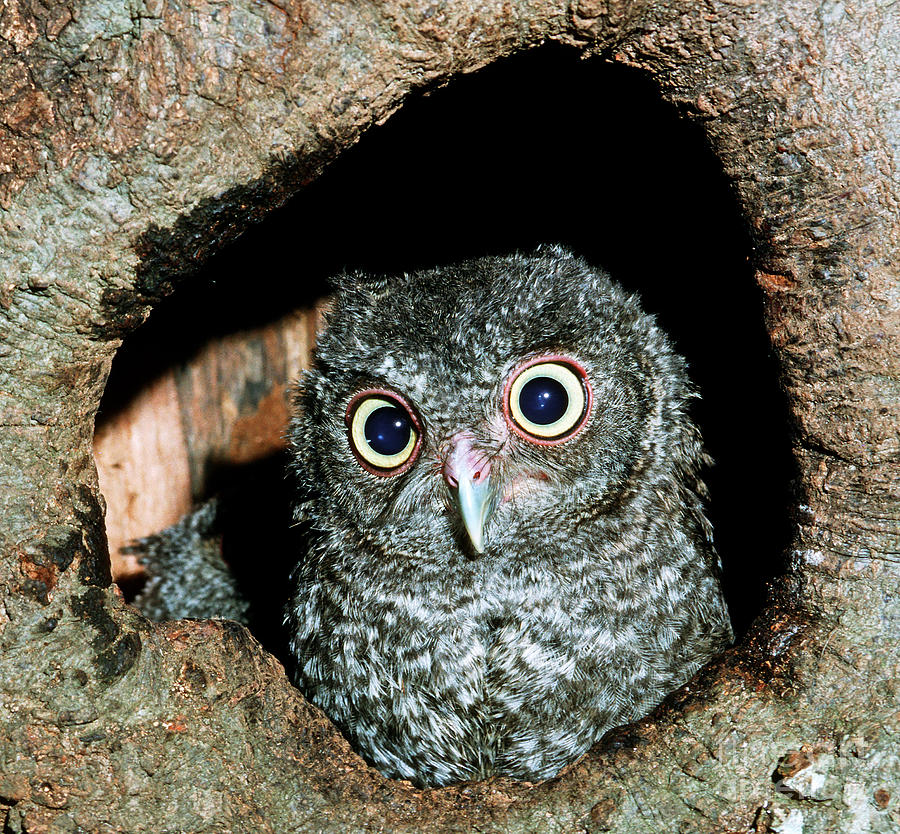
(444, 673)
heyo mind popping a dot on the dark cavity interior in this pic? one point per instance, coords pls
(543, 147)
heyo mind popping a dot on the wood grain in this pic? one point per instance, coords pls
(173, 443)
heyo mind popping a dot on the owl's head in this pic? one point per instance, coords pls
(490, 406)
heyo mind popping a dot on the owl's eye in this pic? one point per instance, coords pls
(384, 433)
(548, 401)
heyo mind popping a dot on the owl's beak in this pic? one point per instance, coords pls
(467, 472)
(476, 503)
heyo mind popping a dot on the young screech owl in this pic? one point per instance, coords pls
(509, 552)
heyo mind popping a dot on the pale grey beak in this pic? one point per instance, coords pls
(476, 501)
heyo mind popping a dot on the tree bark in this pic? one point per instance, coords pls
(137, 139)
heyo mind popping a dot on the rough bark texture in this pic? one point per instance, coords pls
(136, 138)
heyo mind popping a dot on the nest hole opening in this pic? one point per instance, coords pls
(541, 147)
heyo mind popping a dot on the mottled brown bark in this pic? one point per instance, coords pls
(135, 140)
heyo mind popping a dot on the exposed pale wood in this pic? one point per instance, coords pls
(226, 407)
(143, 469)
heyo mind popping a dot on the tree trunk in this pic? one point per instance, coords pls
(136, 140)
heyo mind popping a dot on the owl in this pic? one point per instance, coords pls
(501, 486)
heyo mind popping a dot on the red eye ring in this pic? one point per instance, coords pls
(391, 397)
(566, 362)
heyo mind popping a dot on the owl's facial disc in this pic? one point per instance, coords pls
(473, 486)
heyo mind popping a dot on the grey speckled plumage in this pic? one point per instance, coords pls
(186, 574)
(596, 592)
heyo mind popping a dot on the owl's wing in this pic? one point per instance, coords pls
(187, 576)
